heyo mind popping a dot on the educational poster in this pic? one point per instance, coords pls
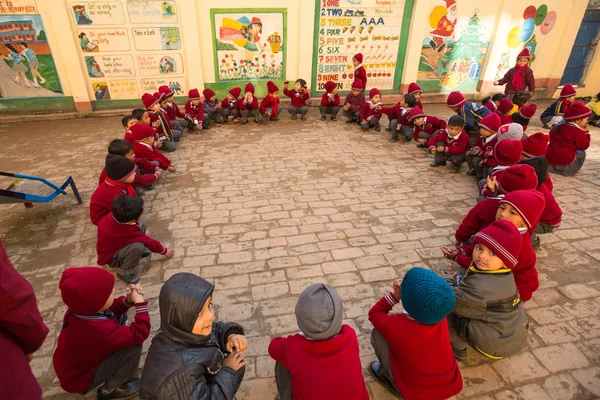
(129, 47)
(453, 51)
(249, 45)
(27, 67)
(529, 32)
(98, 13)
(347, 27)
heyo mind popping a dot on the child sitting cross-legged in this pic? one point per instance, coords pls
(480, 156)
(155, 118)
(370, 113)
(299, 94)
(414, 354)
(323, 361)
(450, 144)
(489, 314)
(122, 240)
(95, 347)
(173, 111)
(212, 107)
(426, 126)
(330, 101)
(506, 153)
(128, 122)
(144, 147)
(192, 356)
(471, 112)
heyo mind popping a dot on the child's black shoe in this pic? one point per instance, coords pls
(303, 118)
(422, 146)
(375, 371)
(149, 187)
(394, 139)
(460, 353)
(535, 241)
(351, 121)
(333, 118)
(294, 117)
(471, 172)
(436, 164)
(129, 279)
(377, 129)
(127, 391)
(146, 252)
(323, 118)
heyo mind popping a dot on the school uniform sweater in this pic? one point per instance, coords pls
(504, 118)
(114, 235)
(420, 105)
(85, 340)
(528, 81)
(490, 105)
(479, 217)
(195, 112)
(150, 153)
(356, 102)
(253, 105)
(270, 102)
(370, 110)
(129, 137)
(394, 112)
(559, 107)
(329, 99)
(229, 104)
(173, 111)
(22, 332)
(486, 144)
(298, 98)
(472, 113)
(430, 125)
(565, 140)
(552, 214)
(165, 125)
(101, 200)
(453, 146)
(322, 369)
(422, 361)
(140, 180)
(361, 74)
(497, 173)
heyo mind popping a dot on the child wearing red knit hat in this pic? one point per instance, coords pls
(157, 121)
(230, 107)
(299, 95)
(426, 126)
(450, 145)
(519, 77)
(504, 111)
(370, 114)
(471, 112)
(354, 103)
(248, 105)
(524, 115)
(212, 107)
(569, 140)
(194, 110)
(330, 101)
(536, 145)
(95, 347)
(506, 153)
(489, 314)
(359, 71)
(480, 156)
(163, 116)
(270, 109)
(144, 147)
(416, 91)
(398, 118)
(554, 113)
(173, 111)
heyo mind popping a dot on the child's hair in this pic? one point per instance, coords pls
(410, 100)
(127, 208)
(496, 97)
(302, 82)
(138, 113)
(456, 120)
(521, 98)
(119, 147)
(126, 120)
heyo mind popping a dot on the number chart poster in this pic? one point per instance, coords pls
(135, 39)
(27, 67)
(249, 44)
(373, 28)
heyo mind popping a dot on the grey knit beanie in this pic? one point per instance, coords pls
(319, 312)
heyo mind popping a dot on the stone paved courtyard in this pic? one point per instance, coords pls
(263, 211)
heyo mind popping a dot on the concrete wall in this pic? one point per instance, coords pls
(442, 44)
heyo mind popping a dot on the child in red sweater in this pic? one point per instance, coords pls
(146, 173)
(569, 140)
(94, 345)
(370, 113)
(248, 105)
(519, 77)
(480, 156)
(122, 240)
(194, 110)
(504, 111)
(157, 121)
(398, 118)
(229, 106)
(299, 95)
(506, 153)
(330, 101)
(323, 361)
(426, 126)
(354, 103)
(492, 102)
(143, 117)
(144, 147)
(270, 109)
(163, 116)
(416, 91)
(450, 144)
(128, 122)
(359, 71)
(120, 173)
(173, 111)
(554, 113)
(413, 348)
(524, 115)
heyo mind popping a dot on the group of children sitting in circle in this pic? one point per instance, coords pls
(480, 304)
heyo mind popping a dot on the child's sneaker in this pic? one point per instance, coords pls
(294, 117)
(374, 370)
(323, 118)
(437, 164)
(394, 140)
(378, 129)
(535, 241)
(421, 145)
(303, 118)
(460, 352)
(126, 391)
(333, 118)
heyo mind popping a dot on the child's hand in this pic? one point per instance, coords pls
(235, 361)
(422, 141)
(369, 118)
(397, 288)
(491, 184)
(158, 144)
(235, 120)
(496, 83)
(218, 107)
(137, 294)
(399, 127)
(481, 163)
(269, 113)
(172, 168)
(449, 253)
(364, 121)
(440, 149)
(346, 107)
(170, 253)
(156, 124)
(199, 126)
(378, 108)
(457, 244)
(159, 172)
(238, 343)
(451, 272)
(432, 150)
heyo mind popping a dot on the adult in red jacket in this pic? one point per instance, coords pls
(569, 140)
(22, 332)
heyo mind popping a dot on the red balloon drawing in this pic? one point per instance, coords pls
(529, 12)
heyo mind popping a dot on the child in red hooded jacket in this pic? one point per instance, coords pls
(248, 105)
(450, 145)
(519, 77)
(230, 106)
(330, 101)
(370, 113)
(270, 109)
(194, 110)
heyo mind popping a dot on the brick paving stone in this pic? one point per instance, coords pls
(578, 291)
(561, 332)
(480, 379)
(338, 267)
(531, 391)
(561, 357)
(589, 378)
(529, 368)
(549, 315)
(379, 274)
(564, 387)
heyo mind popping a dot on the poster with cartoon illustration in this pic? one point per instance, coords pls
(152, 11)
(529, 32)
(249, 45)
(177, 84)
(103, 40)
(98, 12)
(453, 51)
(167, 38)
(153, 64)
(109, 66)
(27, 68)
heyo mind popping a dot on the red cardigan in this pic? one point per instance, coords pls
(454, 147)
(480, 216)
(528, 81)
(113, 235)
(298, 98)
(361, 74)
(226, 104)
(85, 340)
(487, 150)
(173, 112)
(430, 126)
(242, 105)
(565, 140)
(322, 369)
(129, 137)
(22, 331)
(150, 153)
(270, 102)
(552, 214)
(504, 119)
(101, 200)
(326, 101)
(369, 109)
(422, 361)
(195, 112)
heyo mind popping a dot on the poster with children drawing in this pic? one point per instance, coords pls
(453, 50)
(27, 68)
(249, 44)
